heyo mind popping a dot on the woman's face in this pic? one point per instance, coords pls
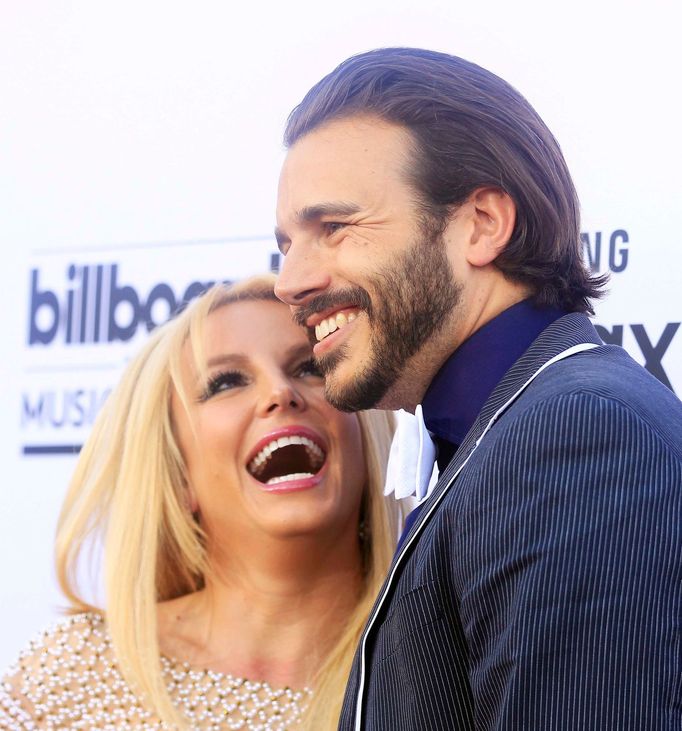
(265, 452)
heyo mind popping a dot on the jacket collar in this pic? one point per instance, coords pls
(566, 332)
(466, 379)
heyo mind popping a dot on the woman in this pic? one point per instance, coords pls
(244, 532)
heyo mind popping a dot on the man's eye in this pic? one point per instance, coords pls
(222, 382)
(309, 367)
(331, 227)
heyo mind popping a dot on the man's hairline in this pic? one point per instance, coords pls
(424, 208)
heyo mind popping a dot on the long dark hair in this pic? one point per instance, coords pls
(470, 129)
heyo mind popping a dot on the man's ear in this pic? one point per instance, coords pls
(493, 213)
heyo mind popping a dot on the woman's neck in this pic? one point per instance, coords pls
(268, 614)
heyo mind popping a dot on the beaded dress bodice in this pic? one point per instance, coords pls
(68, 678)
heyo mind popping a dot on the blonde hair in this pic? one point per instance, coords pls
(128, 491)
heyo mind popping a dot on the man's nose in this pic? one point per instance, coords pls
(302, 274)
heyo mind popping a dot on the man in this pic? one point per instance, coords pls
(431, 238)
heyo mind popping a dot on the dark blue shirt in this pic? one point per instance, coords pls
(467, 378)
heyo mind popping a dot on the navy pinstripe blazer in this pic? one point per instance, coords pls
(545, 589)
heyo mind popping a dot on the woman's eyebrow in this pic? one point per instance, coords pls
(299, 351)
(241, 360)
(233, 359)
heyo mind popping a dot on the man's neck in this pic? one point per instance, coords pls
(466, 319)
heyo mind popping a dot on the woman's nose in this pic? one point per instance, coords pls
(283, 395)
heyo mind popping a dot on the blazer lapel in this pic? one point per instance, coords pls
(566, 332)
(571, 330)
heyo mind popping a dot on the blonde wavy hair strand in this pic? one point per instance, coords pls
(129, 489)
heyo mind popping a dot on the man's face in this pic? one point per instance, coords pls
(363, 270)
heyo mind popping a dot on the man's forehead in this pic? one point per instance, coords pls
(340, 162)
(362, 135)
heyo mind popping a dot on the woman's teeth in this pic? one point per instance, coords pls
(289, 478)
(333, 323)
(259, 461)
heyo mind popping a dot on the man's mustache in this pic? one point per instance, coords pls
(348, 297)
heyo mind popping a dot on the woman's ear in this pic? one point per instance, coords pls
(493, 213)
(190, 497)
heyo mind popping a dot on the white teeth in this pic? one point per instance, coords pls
(262, 457)
(288, 478)
(332, 324)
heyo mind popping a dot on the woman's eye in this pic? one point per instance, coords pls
(223, 382)
(309, 368)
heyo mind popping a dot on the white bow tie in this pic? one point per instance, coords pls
(411, 468)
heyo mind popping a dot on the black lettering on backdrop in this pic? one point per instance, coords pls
(67, 408)
(32, 411)
(617, 250)
(612, 337)
(653, 353)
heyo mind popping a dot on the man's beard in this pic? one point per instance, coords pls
(412, 298)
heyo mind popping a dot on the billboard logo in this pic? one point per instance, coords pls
(97, 308)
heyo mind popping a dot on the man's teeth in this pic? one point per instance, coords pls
(333, 323)
(262, 457)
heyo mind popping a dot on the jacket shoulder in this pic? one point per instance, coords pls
(606, 375)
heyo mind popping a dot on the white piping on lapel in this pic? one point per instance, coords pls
(363, 642)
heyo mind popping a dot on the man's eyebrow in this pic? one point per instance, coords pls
(310, 214)
(337, 208)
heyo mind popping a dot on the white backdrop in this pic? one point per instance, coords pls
(140, 145)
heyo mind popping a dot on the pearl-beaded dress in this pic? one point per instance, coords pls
(68, 678)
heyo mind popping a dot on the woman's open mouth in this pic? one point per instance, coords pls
(286, 459)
